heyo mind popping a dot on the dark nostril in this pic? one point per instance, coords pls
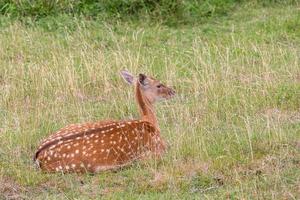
(172, 92)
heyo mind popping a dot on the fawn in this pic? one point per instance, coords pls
(109, 144)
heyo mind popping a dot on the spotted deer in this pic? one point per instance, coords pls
(109, 144)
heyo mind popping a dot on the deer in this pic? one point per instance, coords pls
(93, 147)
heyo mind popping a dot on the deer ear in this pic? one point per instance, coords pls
(128, 77)
(143, 79)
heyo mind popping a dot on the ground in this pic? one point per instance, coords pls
(233, 128)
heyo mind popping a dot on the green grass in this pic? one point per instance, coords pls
(233, 128)
(168, 11)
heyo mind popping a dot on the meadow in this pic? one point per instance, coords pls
(233, 127)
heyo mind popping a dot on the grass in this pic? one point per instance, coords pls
(170, 12)
(233, 128)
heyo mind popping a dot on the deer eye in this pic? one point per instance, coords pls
(159, 86)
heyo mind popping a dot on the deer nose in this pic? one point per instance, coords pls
(172, 92)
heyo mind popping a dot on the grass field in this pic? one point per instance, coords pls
(233, 128)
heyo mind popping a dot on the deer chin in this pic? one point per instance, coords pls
(159, 99)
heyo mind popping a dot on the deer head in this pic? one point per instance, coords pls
(151, 89)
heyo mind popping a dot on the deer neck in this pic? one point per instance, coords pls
(146, 107)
